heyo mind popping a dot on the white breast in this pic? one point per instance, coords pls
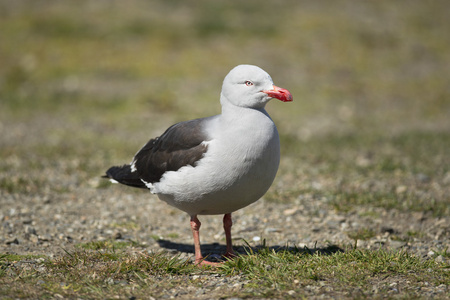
(238, 168)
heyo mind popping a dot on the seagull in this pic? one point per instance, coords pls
(218, 164)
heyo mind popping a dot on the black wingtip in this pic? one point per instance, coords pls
(123, 175)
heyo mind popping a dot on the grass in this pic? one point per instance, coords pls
(113, 245)
(266, 272)
(361, 234)
(6, 259)
(398, 171)
(273, 273)
(92, 274)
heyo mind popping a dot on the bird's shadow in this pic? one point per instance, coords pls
(214, 250)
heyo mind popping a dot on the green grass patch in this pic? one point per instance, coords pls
(274, 273)
(403, 171)
(173, 235)
(6, 257)
(350, 201)
(108, 245)
(126, 225)
(266, 272)
(361, 234)
(22, 184)
(98, 275)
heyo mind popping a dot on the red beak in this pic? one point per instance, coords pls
(279, 93)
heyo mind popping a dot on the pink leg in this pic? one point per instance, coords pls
(195, 226)
(227, 223)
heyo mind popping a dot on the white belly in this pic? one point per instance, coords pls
(237, 170)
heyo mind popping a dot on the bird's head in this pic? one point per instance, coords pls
(251, 86)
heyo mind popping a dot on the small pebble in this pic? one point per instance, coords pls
(401, 189)
(12, 241)
(396, 244)
(270, 230)
(290, 211)
(440, 258)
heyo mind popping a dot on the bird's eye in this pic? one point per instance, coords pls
(248, 83)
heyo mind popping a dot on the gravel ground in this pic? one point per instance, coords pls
(68, 210)
(49, 224)
(53, 223)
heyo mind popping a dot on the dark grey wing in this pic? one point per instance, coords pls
(180, 145)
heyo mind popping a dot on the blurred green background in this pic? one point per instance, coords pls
(84, 84)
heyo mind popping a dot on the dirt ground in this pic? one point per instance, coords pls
(51, 224)
(55, 223)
